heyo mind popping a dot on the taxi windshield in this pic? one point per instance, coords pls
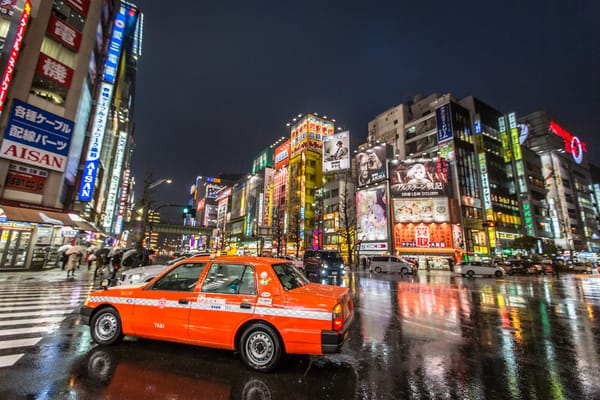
(289, 276)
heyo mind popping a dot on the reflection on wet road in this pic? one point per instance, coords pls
(428, 336)
(437, 336)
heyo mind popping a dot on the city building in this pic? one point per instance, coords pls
(66, 104)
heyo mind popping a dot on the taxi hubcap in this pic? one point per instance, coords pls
(260, 348)
(106, 326)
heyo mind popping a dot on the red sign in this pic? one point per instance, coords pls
(422, 236)
(81, 6)
(14, 53)
(25, 182)
(64, 33)
(573, 145)
(58, 72)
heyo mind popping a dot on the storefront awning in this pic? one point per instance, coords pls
(22, 214)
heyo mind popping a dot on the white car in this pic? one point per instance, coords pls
(146, 273)
(472, 268)
(390, 264)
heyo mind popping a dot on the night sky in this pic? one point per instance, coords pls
(217, 81)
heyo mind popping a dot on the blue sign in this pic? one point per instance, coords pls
(37, 128)
(444, 123)
(114, 50)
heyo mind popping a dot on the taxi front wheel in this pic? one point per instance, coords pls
(106, 326)
(260, 347)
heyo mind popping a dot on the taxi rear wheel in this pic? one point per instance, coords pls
(106, 326)
(260, 347)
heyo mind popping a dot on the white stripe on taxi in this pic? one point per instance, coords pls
(271, 311)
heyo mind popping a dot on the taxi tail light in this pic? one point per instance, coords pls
(337, 317)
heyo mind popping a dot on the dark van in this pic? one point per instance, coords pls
(323, 263)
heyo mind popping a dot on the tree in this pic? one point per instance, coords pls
(347, 215)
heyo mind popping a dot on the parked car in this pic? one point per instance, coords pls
(260, 307)
(581, 267)
(513, 267)
(472, 268)
(391, 264)
(133, 276)
(323, 263)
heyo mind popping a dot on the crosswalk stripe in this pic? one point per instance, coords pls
(32, 321)
(41, 309)
(54, 301)
(7, 361)
(33, 329)
(54, 306)
(61, 311)
(12, 344)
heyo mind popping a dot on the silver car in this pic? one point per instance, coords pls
(472, 268)
(147, 273)
(390, 264)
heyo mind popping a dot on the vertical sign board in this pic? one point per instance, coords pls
(9, 69)
(444, 123)
(90, 170)
(113, 189)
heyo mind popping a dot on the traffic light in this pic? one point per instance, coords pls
(185, 211)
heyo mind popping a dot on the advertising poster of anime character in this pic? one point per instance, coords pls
(371, 209)
(419, 178)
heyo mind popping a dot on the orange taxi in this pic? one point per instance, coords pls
(261, 307)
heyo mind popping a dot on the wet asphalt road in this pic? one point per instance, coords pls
(428, 336)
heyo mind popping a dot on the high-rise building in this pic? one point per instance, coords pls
(66, 123)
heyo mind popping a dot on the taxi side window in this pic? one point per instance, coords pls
(229, 278)
(181, 279)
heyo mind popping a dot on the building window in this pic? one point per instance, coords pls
(66, 13)
(48, 90)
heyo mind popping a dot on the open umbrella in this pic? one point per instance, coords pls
(75, 249)
(64, 247)
(102, 252)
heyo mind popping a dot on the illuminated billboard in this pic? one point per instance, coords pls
(336, 154)
(423, 177)
(443, 119)
(11, 61)
(308, 134)
(573, 145)
(422, 236)
(282, 155)
(370, 165)
(38, 137)
(371, 214)
(428, 209)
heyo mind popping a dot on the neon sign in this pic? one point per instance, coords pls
(573, 145)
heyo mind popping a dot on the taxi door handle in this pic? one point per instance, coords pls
(245, 305)
(183, 301)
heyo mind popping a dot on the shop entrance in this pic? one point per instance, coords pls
(13, 247)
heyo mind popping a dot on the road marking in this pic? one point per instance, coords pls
(11, 344)
(32, 321)
(7, 361)
(33, 329)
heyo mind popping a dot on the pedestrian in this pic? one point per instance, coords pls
(556, 268)
(90, 259)
(64, 257)
(99, 263)
(72, 263)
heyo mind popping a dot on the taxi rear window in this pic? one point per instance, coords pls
(289, 276)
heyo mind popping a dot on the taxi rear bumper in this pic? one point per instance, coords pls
(331, 341)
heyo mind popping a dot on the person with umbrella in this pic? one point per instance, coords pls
(74, 254)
